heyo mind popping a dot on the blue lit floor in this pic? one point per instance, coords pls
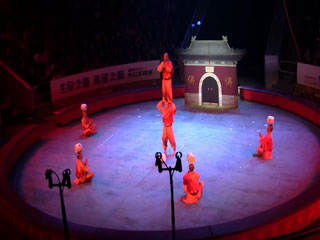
(127, 191)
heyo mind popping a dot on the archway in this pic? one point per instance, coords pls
(210, 90)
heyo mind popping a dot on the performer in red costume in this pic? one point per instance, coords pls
(265, 147)
(166, 68)
(167, 112)
(87, 124)
(191, 185)
(83, 173)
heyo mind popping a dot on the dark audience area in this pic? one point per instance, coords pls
(305, 22)
(47, 40)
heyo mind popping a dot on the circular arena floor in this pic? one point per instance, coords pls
(128, 193)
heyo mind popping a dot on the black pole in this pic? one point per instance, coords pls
(64, 216)
(172, 206)
(171, 170)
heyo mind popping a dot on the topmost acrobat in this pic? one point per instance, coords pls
(166, 68)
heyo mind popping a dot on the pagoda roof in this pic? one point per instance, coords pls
(211, 49)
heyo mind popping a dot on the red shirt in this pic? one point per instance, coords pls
(85, 123)
(167, 114)
(191, 179)
(82, 169)
(167, 118)
(266, 142)
(167, 72)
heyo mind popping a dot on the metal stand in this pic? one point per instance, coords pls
(171, 170)
(65, 182)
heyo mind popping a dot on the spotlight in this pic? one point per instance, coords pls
(192, 25)
(178, 166)
(66, 178)
(49, 177)
(158, 162)
(199, 23)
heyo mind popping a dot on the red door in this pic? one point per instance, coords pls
(210, 93)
